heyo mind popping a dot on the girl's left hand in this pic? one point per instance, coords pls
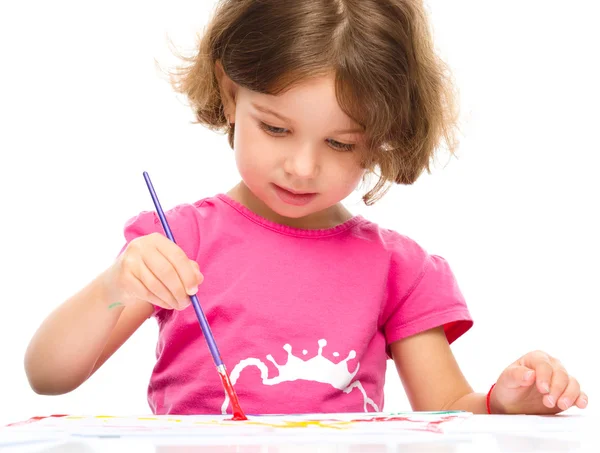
(536, 384)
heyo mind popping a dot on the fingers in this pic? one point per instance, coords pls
(153, 282)
(143, 293)
(187, 270)
(198, 275)
(559, 389)
(572, 395)
(518, 376)
(157, 270)
(582, 401)
(558, 384)
(540, 362)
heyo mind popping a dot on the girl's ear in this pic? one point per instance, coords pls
(228, 89)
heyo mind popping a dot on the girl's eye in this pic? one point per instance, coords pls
(340, 146)
(280, 132)
(272, 129)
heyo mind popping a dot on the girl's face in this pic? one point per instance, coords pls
(298, 153)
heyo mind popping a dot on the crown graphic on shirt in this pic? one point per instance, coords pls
(317, 368)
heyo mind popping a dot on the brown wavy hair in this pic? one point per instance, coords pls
(389, 78)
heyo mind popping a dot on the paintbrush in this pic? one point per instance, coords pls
(238, 414)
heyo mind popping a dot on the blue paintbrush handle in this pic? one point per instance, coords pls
(208, 336)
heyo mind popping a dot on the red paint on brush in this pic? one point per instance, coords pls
(238, 414)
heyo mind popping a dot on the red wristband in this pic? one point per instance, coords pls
(487, 399)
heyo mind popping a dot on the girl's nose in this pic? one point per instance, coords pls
(303, 162)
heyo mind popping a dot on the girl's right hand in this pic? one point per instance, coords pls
(153, 269)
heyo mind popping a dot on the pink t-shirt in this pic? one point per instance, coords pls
(302, 318)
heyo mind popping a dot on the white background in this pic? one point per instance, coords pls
(83, 112)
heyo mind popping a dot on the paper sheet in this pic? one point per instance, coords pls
(335, 433)
(210, 427)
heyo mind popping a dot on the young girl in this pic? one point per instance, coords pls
(307, 302)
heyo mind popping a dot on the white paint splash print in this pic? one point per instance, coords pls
(316, 369)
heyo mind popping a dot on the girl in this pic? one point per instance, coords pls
(307, 301)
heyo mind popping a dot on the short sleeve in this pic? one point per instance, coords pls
(422, 294)
(184, 224)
